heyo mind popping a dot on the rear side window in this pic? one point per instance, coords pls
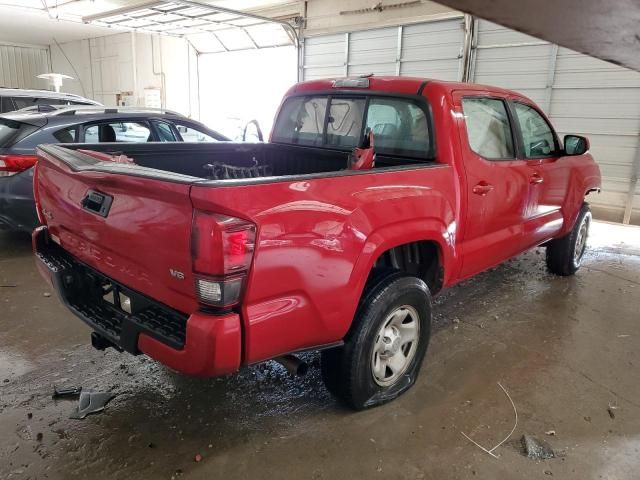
(400, 126)
(129, 132)
(11, 132)
(538, 139)
(488, 127)
(67, 135)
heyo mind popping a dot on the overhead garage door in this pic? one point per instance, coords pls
(20, 65)
(425, 49)
(581, 95)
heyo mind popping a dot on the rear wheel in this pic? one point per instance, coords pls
(385, 347)
(564, 255)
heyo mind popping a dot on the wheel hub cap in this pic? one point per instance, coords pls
(396, 345)
(581, 242)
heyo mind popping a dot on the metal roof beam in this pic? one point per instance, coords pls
(173, 7)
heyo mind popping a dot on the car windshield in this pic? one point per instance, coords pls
(12, 131)
(400, 126)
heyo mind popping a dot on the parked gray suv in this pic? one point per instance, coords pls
(22, 131)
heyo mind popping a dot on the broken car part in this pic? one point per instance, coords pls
(91, 402)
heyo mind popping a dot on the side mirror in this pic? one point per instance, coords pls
(575, 145)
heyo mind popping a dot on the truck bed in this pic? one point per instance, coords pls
(191, 159)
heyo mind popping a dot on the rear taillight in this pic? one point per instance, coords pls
(12, 164)
(222, 249)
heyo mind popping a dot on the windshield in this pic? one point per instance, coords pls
(12, 131)
(400, 126)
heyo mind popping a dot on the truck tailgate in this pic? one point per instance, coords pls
(133, 229)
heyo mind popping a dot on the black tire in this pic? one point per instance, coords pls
(562, 255)
(347, 371)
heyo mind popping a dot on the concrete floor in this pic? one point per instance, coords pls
(566, 350)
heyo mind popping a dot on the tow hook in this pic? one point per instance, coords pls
(101, 343)
(295, 366)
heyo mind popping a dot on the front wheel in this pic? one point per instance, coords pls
(384, 349)
(564, 255)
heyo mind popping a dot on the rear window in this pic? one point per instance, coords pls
(400, 126)
(12, 132)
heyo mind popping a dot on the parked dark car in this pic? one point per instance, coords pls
(22, 131)
(12, 99)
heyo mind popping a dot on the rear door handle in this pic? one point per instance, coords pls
(536, 178)
(482, 188)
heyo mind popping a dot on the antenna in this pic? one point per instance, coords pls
(55, 79)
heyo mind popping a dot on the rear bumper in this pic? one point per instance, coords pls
(199, 344)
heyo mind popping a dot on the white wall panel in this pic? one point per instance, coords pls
(324, 56)
(127, 64)
(432, 49)
(20, 65)
(427, 49)
(373, 51)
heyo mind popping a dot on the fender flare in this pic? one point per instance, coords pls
(575, 200)
(400, 233)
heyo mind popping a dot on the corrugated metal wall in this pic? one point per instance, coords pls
(581, 94)
(20, 65)
(425, 49)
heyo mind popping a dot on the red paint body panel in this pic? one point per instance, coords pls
(317, 238)
(317, 241)
(148, 231)
(213, 346)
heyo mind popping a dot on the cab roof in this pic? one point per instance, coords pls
(392, 84)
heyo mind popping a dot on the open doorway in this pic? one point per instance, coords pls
(237, 87)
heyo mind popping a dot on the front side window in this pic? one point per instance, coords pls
(132, 132)
(190, 134)
(165, 132)
(488, 127)
(400, 126)
(538, 139)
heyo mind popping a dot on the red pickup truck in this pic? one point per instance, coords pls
(209, 257)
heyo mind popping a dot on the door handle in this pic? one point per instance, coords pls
(536, 178)
(482, 188)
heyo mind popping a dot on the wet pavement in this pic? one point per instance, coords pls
(565, 349)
